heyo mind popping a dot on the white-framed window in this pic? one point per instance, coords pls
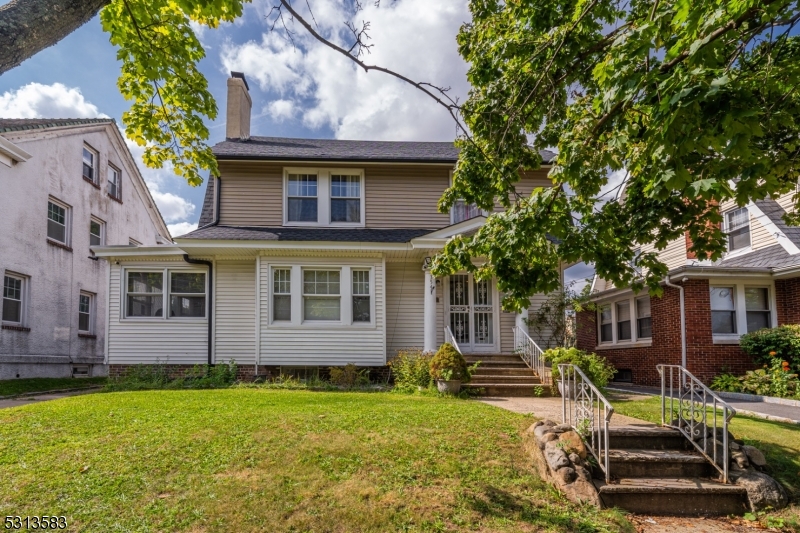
(323, 197)
(737, 228)
(740, 307)
(90, 159)
(616, 321)
(757, 308)
(362, 307)
(15, 289)
(58, 221)
(86, 312)
(723, 310)
(148, 292)
(281, 294)
(322, 295)
(462, 211)
(97, 232)
(114, 182)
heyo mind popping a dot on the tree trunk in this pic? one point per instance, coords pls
(29, 26)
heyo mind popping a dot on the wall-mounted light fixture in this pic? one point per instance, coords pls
(426, 263)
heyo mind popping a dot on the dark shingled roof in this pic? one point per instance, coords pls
(775, 212)
(207, 213)
(19, 124)
(774, 256)
(239, 233)
(288, 149)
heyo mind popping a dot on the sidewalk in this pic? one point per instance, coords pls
(41, 397)
(770, 411)
(550, 408)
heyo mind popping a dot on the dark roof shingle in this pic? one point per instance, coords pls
(774, 256)
(207, 213)
(239, 233)
(19, 124)
(775, 212)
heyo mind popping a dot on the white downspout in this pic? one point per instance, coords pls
(668, 283)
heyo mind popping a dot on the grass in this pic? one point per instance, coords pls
(779, 442)
(19, 386)
(272, 460)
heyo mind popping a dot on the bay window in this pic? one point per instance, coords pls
(321, 295)
(282, 294)
(361, 296)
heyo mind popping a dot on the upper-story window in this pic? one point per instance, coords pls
(14, 296)
(97, 232)
(114, 182)
(58, 221)
(90, 164)
(462, 211)
(323, 197)
(737, 227)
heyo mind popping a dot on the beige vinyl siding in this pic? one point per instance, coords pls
(252, 194)
(787, 202)
(405, 196)
(405, 302)
(759, 236)
(507, 323)
(319, 344)
(235, 311)
(156, 340)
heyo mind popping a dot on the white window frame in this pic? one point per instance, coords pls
(324, 185)
(111, 170)
(342, 306)
(740, 306)
(166, 292)
(370, 294)
(345, 295)
(482, 212)
(67, 221)
(24, 297)
(92, 313)
(102, 231)
(615, 342)
(95, 164)
(272, 294)
(740, 251)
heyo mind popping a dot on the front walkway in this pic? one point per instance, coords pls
(40, 397)
(550, 408)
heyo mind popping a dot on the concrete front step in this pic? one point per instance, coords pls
(508, 389)
(639, 463)
(646, 438)
(492, 359)
(672, 496)
(496, 370)
(528, 379)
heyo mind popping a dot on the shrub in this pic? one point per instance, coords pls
(772, 380)
(782, 342)
(448, 364)
(349, 377)
(596, 368)
(147, 377)
(726, 383)
(411, 369)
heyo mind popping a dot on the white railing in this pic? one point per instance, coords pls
(530, 352)
(698, 413)
(585, 408)
(448, 337)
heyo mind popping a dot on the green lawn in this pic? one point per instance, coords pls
(19, 386)
(271, 460)
(779, 442)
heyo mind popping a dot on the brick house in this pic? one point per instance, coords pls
(706, 306)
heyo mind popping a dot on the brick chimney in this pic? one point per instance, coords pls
(237, 121)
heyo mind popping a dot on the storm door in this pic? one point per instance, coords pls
(472, 313)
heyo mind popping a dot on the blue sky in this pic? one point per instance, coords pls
(305, 90)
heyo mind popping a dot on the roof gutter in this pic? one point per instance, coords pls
(210, 266)
(669, 283)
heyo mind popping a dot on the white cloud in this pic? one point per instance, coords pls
(36, 100)
(181, 228)
(413, 37)
(173, 207)
(280, 110)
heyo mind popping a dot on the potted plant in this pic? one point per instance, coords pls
(449, 369)
(597, 369)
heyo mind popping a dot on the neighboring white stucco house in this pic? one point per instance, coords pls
(67, 184)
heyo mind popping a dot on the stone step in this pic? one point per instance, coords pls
(509, 389)
(495, 370)
(528, 378)
(671, 496)
(647, 437)
(638, 463)
(493, 359)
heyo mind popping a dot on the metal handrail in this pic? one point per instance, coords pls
(585, 408)
(448, 337)
(530, 352)
(695, 403)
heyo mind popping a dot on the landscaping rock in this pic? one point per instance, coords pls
(762, 491)
(555, 456)
(575, 459)
(547, 437)
(755, 456)
(541, 430)
(734, 446)
(567, 474)
(561, 428)
(583, 473)
(740, 458)
(573, 443)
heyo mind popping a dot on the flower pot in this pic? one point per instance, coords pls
(451, 387)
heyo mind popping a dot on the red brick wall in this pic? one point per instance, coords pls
(704, 358)
(787, 294)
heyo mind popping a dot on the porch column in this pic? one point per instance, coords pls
(429, 315)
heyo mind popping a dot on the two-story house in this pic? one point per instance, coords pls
(67, 185)
(706, 306)
(310, 253)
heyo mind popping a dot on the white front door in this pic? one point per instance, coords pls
(472, 313)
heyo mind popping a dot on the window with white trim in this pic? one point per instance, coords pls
(461, 211)
(606, 324)
(114, 182)
(323, 197)
(644, 324)
(362, 307)
(623, 320)
(739, 307)
(723, 310)
(14, 299)
(321, 295)
(145, 294)
(97, 232)
(345, 198)
(58, 220)
(301, 198)
(737, 227)
(282, 294)
(757, 307)
(90, 158)
(185, 294)
(86, 312)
